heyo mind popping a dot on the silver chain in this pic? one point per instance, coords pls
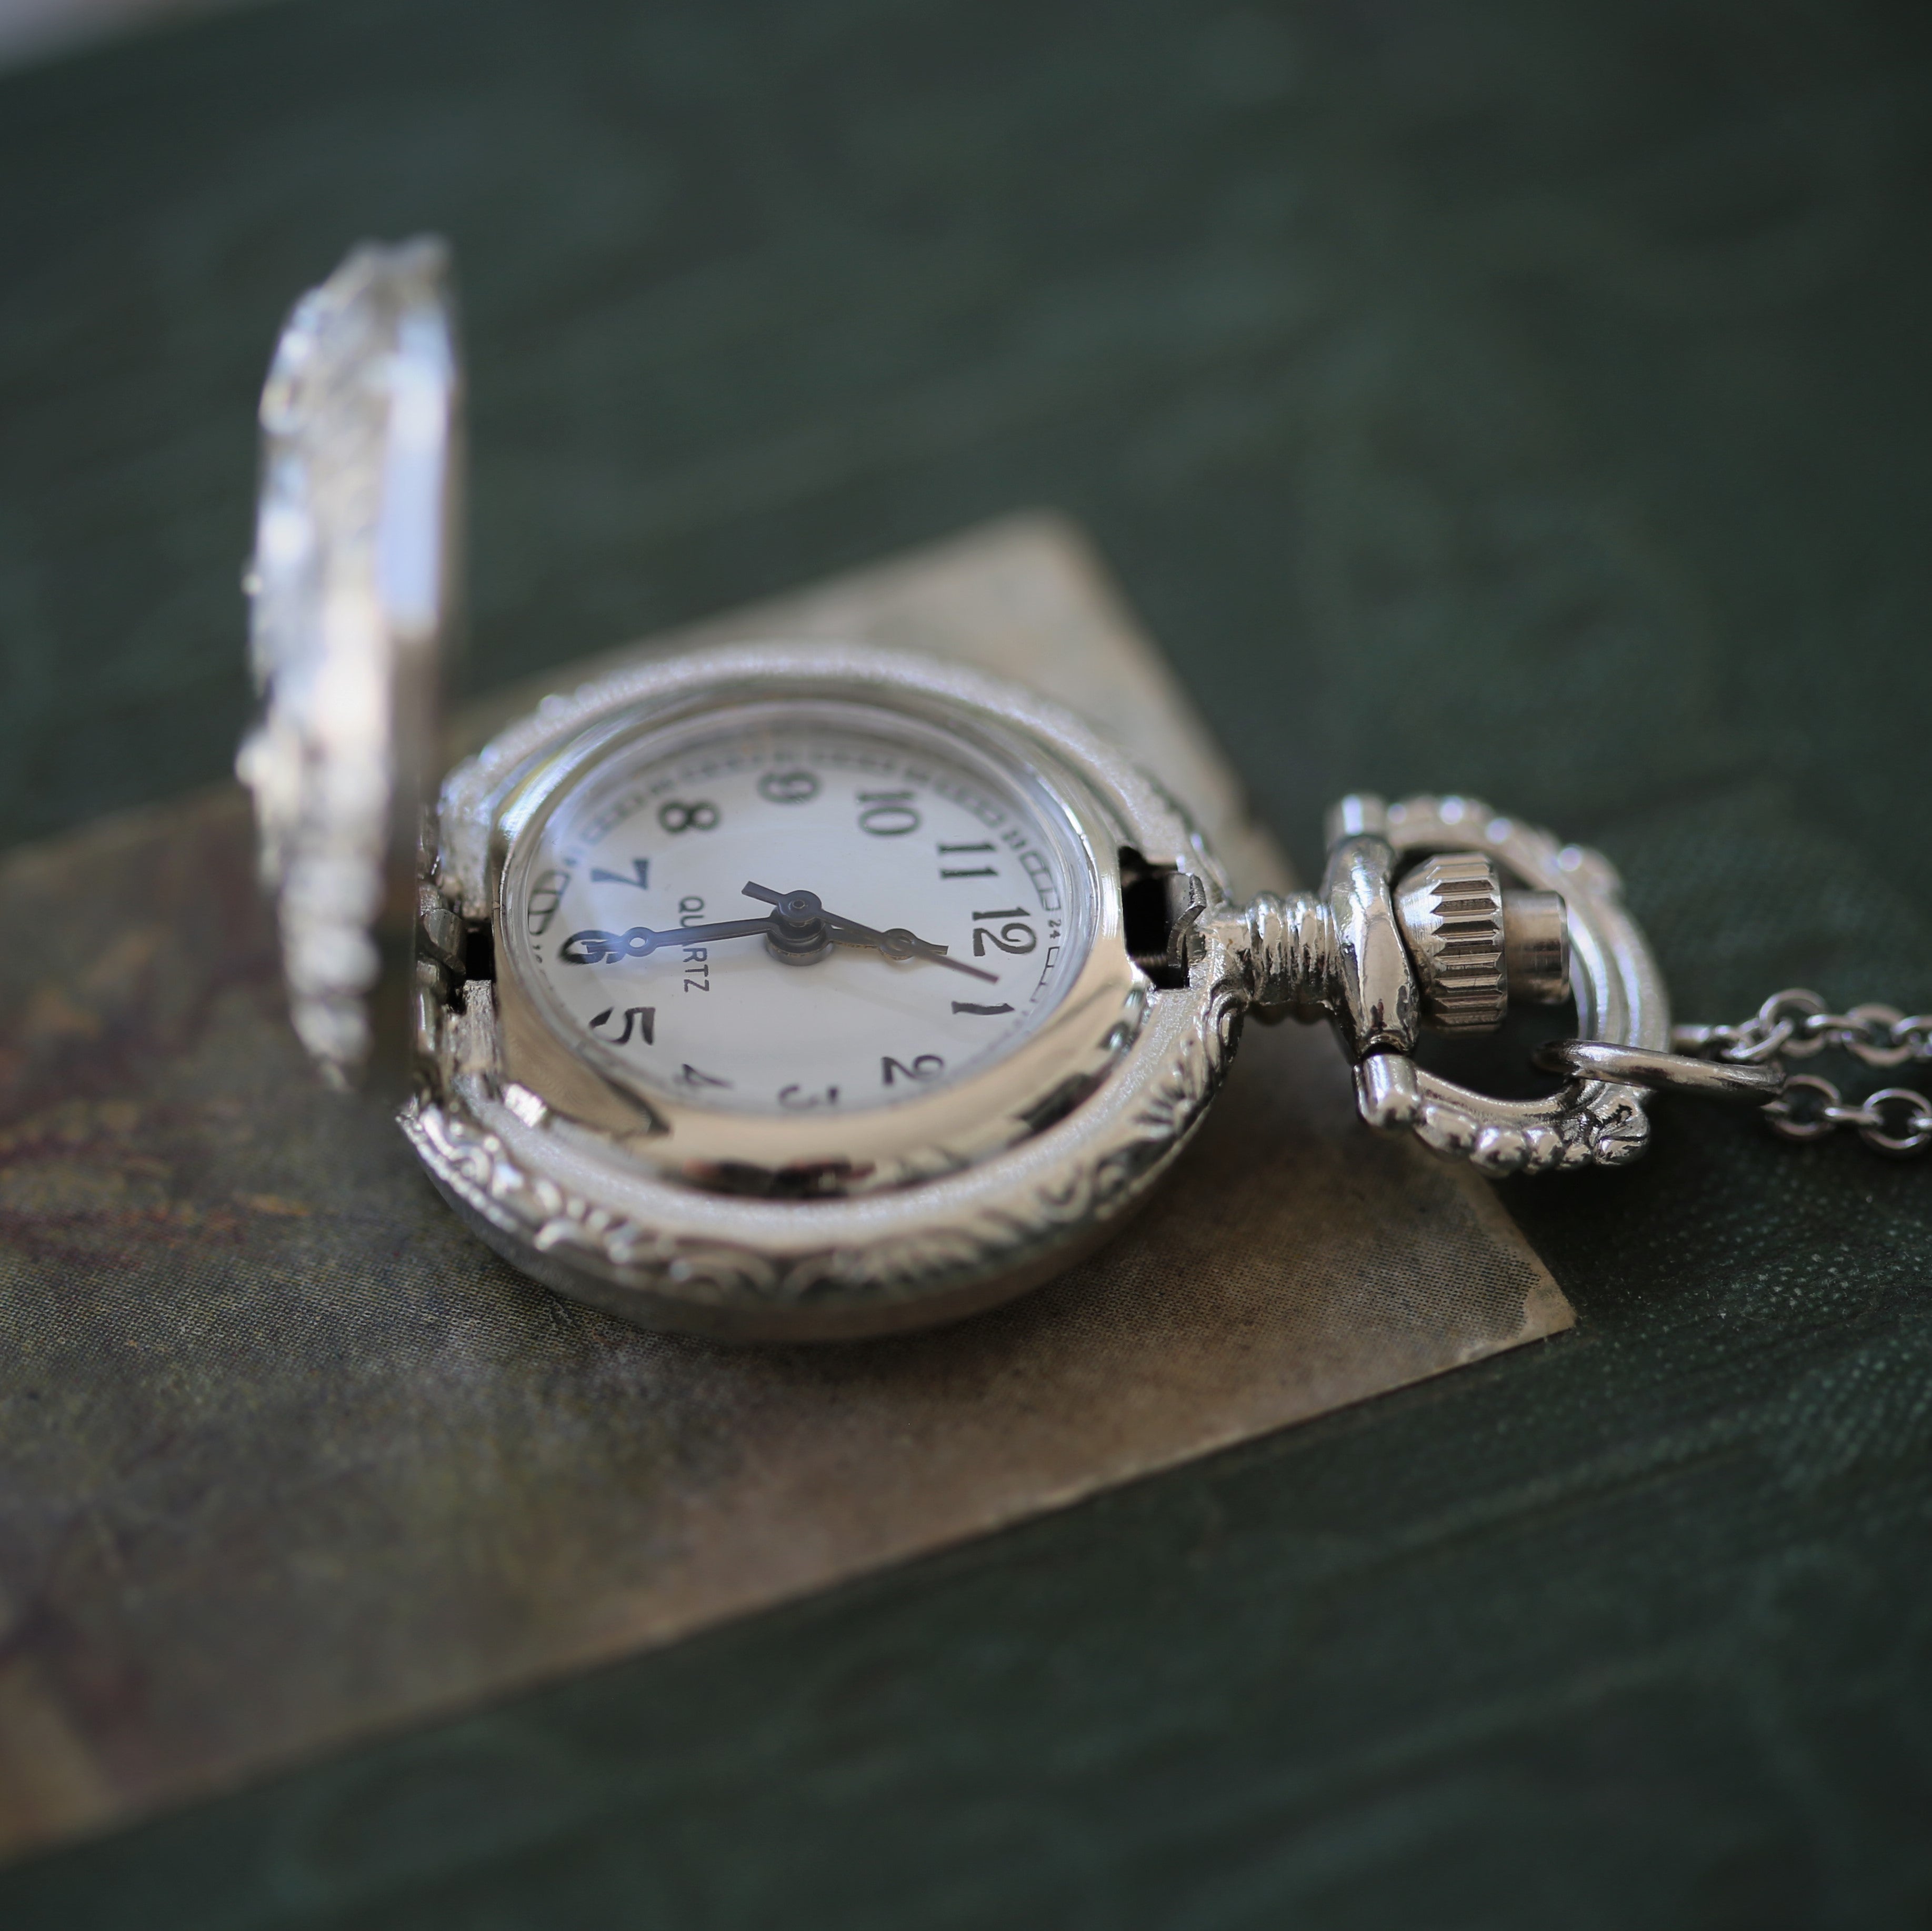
(1795, 1024)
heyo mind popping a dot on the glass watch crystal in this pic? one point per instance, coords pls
(790, 908)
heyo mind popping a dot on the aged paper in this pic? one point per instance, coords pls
(291, 1459)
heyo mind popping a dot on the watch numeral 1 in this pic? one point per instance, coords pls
(967, 1006)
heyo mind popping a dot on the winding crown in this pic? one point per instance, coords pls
(1451, 908)
(1476, 946)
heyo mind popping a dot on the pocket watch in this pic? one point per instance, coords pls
(795, 990)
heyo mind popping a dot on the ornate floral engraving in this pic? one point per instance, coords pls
(347, 586)
(1590, 1122)
(1100, 1177)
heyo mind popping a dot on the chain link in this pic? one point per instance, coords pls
(1796, 1025)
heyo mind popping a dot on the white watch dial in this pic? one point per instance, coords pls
(915, 909)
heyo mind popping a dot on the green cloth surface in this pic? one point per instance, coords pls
(1524, 399)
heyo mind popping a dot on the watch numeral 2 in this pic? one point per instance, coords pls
(927, 1065)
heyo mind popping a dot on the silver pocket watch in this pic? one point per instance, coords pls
(789, 990)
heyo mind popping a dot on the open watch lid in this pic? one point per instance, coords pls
(353, 587)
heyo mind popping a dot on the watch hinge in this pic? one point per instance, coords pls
(1160, 905)
(479, 951)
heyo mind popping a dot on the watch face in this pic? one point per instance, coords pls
(811, 907)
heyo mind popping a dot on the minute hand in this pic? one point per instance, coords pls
(899, 943)
(896, 944)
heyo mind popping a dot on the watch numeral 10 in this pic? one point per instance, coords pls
(887, 815)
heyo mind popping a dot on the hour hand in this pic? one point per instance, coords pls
(725, 928)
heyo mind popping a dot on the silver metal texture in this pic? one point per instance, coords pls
(352, 585)
(1796, 1024)
(1361, 813)
(1379, 1008)
(979, 1212)
(1536, 947)
(1895, 1120)
(1751, 1085)
(1292, 948)
(1289, 944)
(1619, 992)
(1451, 908)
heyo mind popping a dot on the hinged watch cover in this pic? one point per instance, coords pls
(354, 585)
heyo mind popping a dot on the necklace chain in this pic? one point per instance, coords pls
(1796, 1024)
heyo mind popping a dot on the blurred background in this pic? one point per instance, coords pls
(1542, 378)
(1508, 396)
(35, 30)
